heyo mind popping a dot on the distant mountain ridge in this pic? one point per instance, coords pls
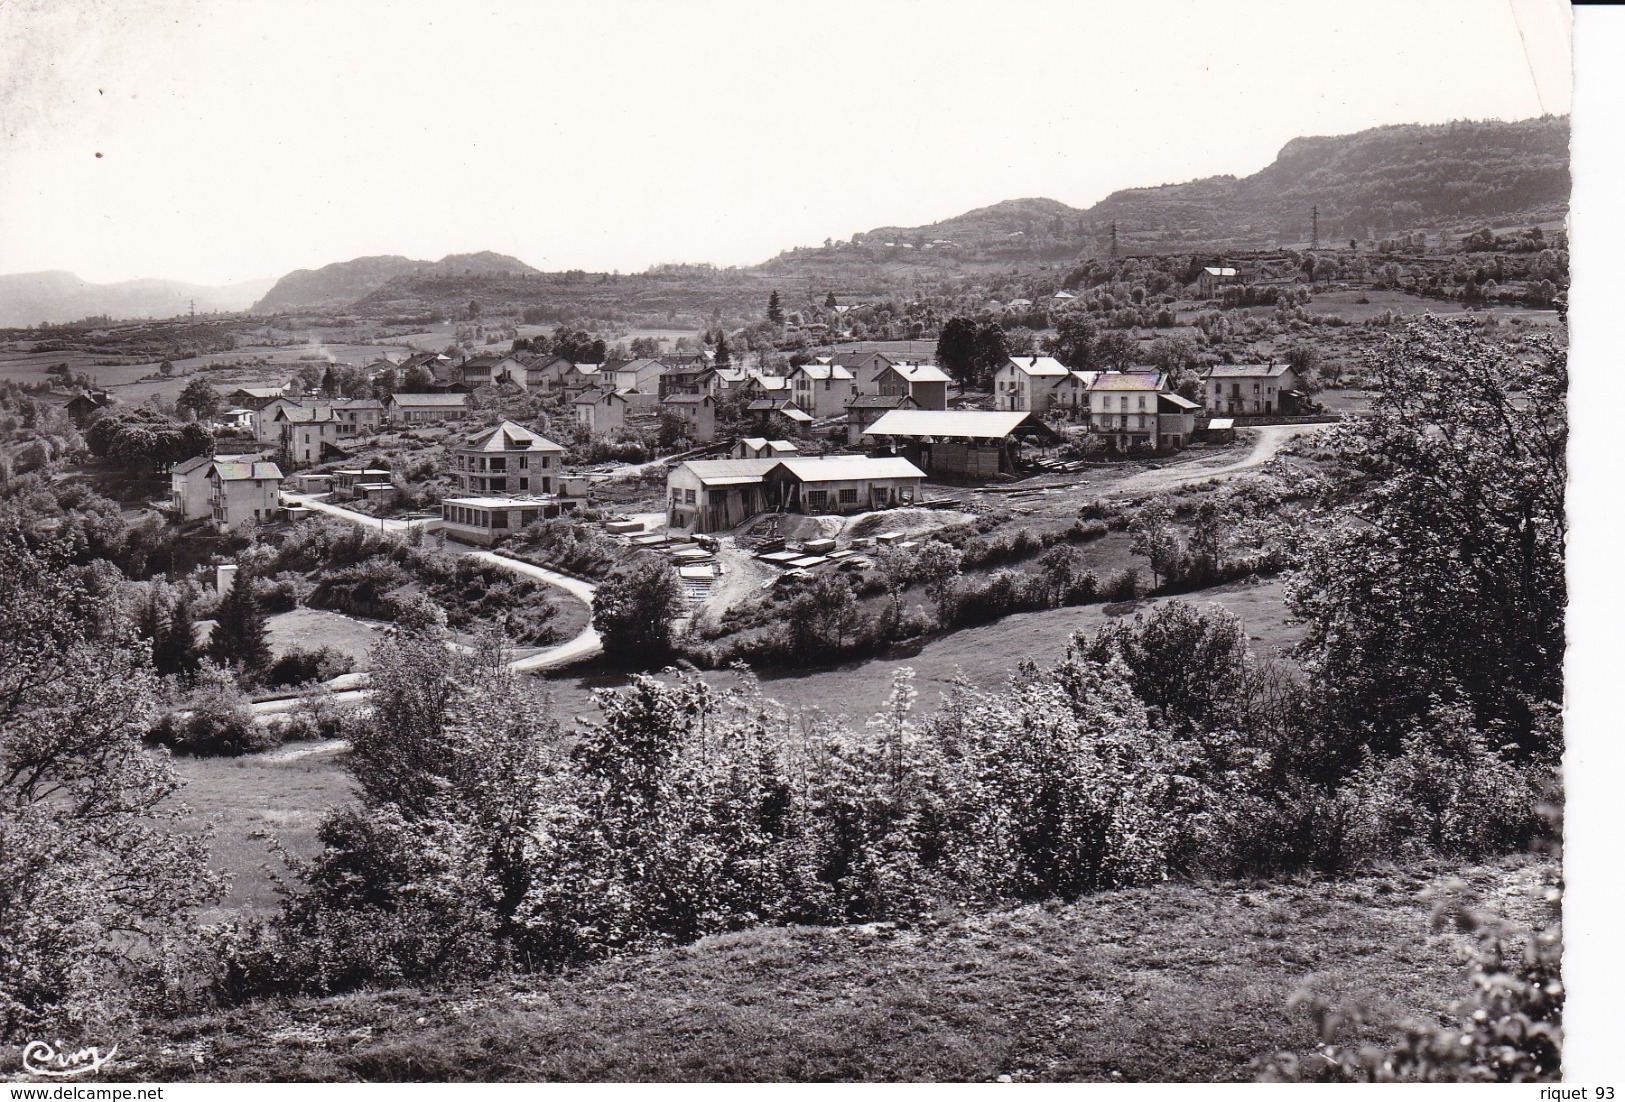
(34, 298)
(335, 286)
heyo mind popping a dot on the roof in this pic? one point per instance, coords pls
(484, 359)
(498, 502)
(1084, 377)
(594, 395)
(1127, 380)
(1248, 371)
(974, 424)
(796, 414)
(881, 401)
(442, 399)
(187, 466)
(729, 472)
(261, 391)
(509, 437)
(824, 371)
(754, 441)
(1222, 423)
(922, 373)
(1179, 400)
(1038, 365)
(686, 399)
(855, 359)
(1220, 271)
(845, 468)
(770, 382)
(238, 470)
(757, 405)
(357, 403)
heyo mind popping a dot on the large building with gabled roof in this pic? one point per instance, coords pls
(976, 444)
(507, 459)
(710, 495)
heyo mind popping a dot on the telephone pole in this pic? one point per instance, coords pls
(1114, 239)
(1314, 234)
(191, 307)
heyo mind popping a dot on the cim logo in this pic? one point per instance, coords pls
(57, 1061)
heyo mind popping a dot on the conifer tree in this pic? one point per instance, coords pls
(240, 629)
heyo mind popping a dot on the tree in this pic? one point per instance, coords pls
(1438, 570)
(199, 397)
(992, 350)
(1115, 351)
(722, 357)
(166, 369)
(100, 887)
(330, 381)
(633, 612)
(956, 351)
(1154, 537)
(241, 632)
(1074, 341)
(775, 310)
(820, 614)
(829, 301)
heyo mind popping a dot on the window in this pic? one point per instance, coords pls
(524, 462)
(524, 483)
(499, 519)
(817, 499)
(849, 497)
(688, 497)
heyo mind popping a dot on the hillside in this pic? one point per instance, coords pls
(34, 298)
(1389, 180)
(336, 286)
(1177, 982)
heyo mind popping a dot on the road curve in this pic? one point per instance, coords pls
(349, 688)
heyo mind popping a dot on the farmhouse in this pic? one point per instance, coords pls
(304, 432)
(600, 410)
(1124, 406)
(698, 412)
(87, 403)
(493, 368)
(358, 415)
(779, 414)
(1176, 420)
(506, 458)
(1027, 383)
(1215, 279)
(546, 372)
(243, 491)
(190, 494)
(419, 408)
(865, 368)
(1250, 388)
(1071, 394)
(711, 495)
(758, 385)
(960, 443)
(485, 520)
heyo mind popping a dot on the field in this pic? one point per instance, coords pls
(279, 795)
(1174, 982)
(313, 627)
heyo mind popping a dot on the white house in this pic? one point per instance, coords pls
(417, 408)
(1247, 388)
(1027, 383)
(822, 390)
(1123, 405)
(600, 410)
(243, 491)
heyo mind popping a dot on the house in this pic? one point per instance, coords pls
(485, 520)
(238, 419)
(960, 443)
(303, 437)
(757, 447)
(865, 409)
(263, 421)
(600, 410)
(256, 397)
(709, 495)
(378, 493)
(243, 491)
(507, 458)
(781, 414)
(642, 375)
(581, 377)
(1123, 406)
(823, 390)
(546, 372)
(87, 403)
(698, 413)
(344, 482)
(695, 379)
(758, 385)
(927, 384)
(190, 494)
(1027, 383)
(358, 416)
(1071, 394)
(419, 408)
(1249, 388)
(728, 380)
(865, 367)
(1176, 420)
(1215, 279)
(492, 368)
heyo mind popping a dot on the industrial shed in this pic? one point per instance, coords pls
(709, 495)
(959, 443)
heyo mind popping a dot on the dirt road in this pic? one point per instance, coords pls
(1270, 440)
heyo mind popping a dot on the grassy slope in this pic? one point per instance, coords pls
(1184, 982)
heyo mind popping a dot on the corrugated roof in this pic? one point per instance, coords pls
(1179, 400)
(845, 468)
(1247, 371)
(729, 472)
(1127, 380)
(429, 399)
(970, 423)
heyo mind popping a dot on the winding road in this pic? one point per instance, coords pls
(1271, 438)
(352, 686)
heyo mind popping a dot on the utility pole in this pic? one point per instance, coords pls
(1314, 234)
(1114, 239)
(191, 305)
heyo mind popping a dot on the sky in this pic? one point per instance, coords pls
(220, 141)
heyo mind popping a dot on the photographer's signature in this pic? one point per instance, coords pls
(58, 1060)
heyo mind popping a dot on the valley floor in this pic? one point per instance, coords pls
(1175, 982)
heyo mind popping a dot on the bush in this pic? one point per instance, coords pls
(216, 722)
(298, 666)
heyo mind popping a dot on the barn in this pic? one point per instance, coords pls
(709, 495)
